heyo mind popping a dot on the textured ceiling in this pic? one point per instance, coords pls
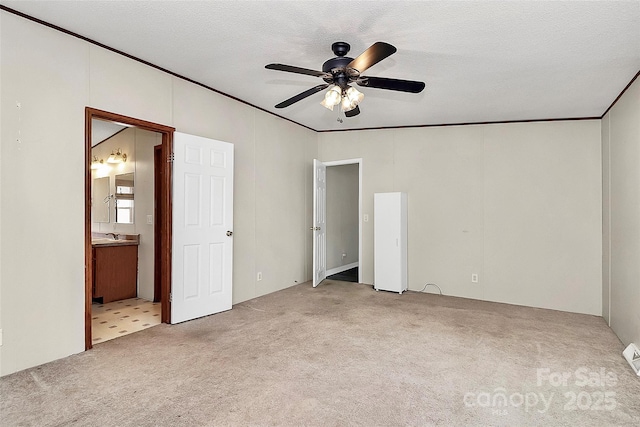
(481, 61)
(101, 130)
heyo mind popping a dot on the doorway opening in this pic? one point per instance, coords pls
(118, 204)
(337, 248)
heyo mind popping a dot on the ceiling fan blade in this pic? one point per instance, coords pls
(302, 95)
(353, 112)
(376, 53)
(297, 70)
(391, 84)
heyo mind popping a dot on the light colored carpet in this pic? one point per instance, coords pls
(341, 354)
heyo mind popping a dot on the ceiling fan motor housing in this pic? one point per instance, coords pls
(340, 48)
(338, 65)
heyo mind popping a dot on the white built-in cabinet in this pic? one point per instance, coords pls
(390, 241)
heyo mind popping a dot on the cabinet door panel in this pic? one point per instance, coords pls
(116, 273)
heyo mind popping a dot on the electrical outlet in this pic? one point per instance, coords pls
(474, 278)
(259, 278)
(366, 217)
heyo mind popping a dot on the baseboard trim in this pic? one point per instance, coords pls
(342, 268)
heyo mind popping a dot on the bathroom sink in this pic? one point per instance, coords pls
(106, 241)
(101, 241)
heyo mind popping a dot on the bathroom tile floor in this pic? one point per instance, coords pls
(118, 318)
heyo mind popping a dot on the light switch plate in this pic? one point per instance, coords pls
(150, 219)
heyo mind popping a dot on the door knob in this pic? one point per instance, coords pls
(229, 233)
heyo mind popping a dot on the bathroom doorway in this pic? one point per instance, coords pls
(118, 205)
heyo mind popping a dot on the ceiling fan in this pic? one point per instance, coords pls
(339, 72)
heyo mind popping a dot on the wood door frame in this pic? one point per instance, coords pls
(167, 151)
(157, 222)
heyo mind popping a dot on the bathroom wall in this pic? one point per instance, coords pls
(138, 145)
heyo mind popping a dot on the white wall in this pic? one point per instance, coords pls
(55, 76)
(42, 193)
(1, 196)
(272, 187)
(144, 202)
(621, 208)
(606, 220)
(342, 215)
(138, 145)
(518, 204)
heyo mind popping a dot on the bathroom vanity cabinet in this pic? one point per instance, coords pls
(115, 271)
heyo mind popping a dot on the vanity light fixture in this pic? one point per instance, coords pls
(96, 164)
(117, 157)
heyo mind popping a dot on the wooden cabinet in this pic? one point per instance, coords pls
(115, 272)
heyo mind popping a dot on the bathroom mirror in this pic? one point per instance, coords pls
(100, 200)
(124, 198)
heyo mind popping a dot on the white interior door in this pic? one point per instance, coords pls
(202, 257)
(319, 222)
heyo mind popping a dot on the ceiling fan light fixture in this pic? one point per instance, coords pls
(347, 105)
(326, 105)
(333, 96)
(352, 97)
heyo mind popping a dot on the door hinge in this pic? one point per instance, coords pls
(170, 297)
(171, 157)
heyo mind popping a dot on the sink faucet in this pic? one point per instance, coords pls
(115, 236)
